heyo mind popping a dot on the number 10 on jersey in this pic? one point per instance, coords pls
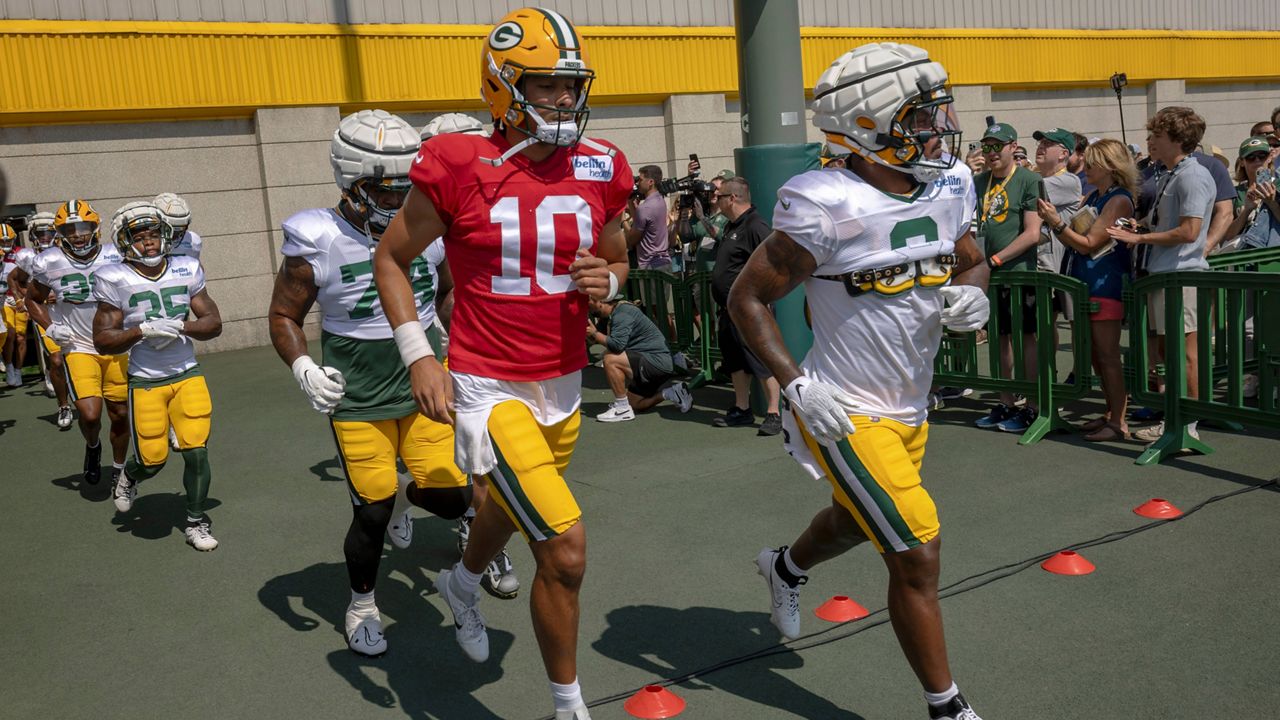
(506, 214)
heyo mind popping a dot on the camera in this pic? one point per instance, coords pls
(1131, 225)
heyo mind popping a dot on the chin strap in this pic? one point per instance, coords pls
(496, 162)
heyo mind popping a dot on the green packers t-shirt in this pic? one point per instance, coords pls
(1000, 208)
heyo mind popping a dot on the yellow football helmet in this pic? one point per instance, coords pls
(77, 224)
(8, 238)
(534, 41)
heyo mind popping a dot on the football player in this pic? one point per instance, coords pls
(177, 214)
(530, 218)
(43, 235)
(13, 326)
(92, 378)
(362, 385)
(886, 257)
(143, 304)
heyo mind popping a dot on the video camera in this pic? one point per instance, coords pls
(689, 187)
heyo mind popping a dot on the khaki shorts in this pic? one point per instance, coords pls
(1155, 311)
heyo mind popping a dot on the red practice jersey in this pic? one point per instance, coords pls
(513, 232)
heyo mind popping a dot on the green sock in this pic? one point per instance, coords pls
(195, 478)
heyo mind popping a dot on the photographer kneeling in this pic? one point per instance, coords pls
(637, 362)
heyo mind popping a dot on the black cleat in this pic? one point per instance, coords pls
(93, 464)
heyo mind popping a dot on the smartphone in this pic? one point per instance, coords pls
(1044, 194)
(694, 165)
(1265, 176)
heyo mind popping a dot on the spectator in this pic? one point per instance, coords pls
(1184, 201)
(637, 362)
(648, 233)
(1224, 195)
(1075, 164)
(706, 229)
(1020, 157)
(1102, 265)
(1063, 190)
(1258, 217)
(744, 233)
(1009, 231)
(974, 160)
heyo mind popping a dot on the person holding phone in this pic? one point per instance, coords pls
(1256, 192)
(1062, 190)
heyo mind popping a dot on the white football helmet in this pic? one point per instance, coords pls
(130, 222)
(176, 212)
(42, 231)
(886, 102)
(373, 150)
(452, 123)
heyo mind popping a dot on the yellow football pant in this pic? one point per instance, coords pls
(529, 481)
(368, 450)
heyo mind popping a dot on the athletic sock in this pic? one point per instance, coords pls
(465, 582)
(117, 466)
(566, 697)
(362, 603)
(942, 698)
(95, 444)
(786, 568)
(621, 402)
(194, 520)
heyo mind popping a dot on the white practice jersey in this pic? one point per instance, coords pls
(25, 258)
(72, 280)
(141, 298)
(876, 346)
(190, 246)
(341, 258)
(22, 259)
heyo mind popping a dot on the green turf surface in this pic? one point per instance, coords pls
(114, 616)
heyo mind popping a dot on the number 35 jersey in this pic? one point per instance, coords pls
(878, 344)
(513, 231)
(73, 281)
(141, 298)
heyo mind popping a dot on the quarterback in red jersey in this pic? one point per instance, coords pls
(531, 224)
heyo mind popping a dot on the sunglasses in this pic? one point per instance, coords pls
(989, 148)
(1256, 157)
(723, 195)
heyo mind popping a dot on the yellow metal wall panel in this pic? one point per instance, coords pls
(86, 71)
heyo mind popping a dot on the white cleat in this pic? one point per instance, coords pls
(499, 578)
(468, 623)
(784, 599)
(956, 709)
(65, 417)
(578, 713)
(123, 491)
(14, 376)
(48, 388)
(401, 530)
(198, 536)
(364, 633)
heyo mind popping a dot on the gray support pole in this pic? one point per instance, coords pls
(770, 80)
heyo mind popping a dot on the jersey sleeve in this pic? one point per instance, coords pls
(40, 269)
(433, 175)
(106, 287)
(197, 278)
(435, 253)
(805, 221)
(299, 244)
(619, 188)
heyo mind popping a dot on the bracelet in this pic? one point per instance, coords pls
(412, 342)
(994, 262)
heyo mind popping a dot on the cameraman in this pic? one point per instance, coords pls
(705, 230)
(648, 232)
(745, 231)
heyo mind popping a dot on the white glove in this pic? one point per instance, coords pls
(823, 407)
(967, 308)
(60, 333)
(167, 328)
(324, 386)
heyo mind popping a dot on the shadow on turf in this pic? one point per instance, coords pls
(329, 470)
(669, 643)
(92, 493)
(155, 516)
(426, 673)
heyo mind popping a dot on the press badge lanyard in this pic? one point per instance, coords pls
(1144, 250)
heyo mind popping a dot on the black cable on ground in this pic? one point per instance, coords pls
(973, 582)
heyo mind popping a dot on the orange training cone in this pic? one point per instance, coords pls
(841, 609)
(654, 701)
(1159, 509)
(1068, 562)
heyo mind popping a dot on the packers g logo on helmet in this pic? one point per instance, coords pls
(77, 225)
(8, 238)
(534, 41)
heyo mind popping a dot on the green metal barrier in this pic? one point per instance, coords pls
(957, 362)
(1224, 357)
(683, 300)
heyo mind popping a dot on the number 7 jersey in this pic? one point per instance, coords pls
(513, 232)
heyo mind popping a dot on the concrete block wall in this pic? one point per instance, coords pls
(244, 176)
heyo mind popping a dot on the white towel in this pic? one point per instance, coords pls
(472, 449)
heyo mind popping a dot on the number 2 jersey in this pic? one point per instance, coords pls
(878, 345)
(141, 298)
(513, 232)
(72, 280)
(356, 337)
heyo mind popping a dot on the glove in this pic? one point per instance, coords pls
(823, 407)
(967, 308)
(60, 333)
(324, 386)
(165, 328)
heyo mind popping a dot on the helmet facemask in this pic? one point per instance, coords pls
(42, 236)
(909, 145)
(525, 115)
(363, 195)
(132, 237)
(79, 238)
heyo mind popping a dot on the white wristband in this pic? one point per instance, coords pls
(613, 286)
(411, 339)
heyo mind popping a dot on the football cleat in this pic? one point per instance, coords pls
(957, 708)
(198, 535)
(578, 713)
(65, 417)
(93, 464)
(464, 532)
(468, 623)
(784, 600)
(123, 490)
(13, 376)
(400, 530)
(364, 632)
(499, 578)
